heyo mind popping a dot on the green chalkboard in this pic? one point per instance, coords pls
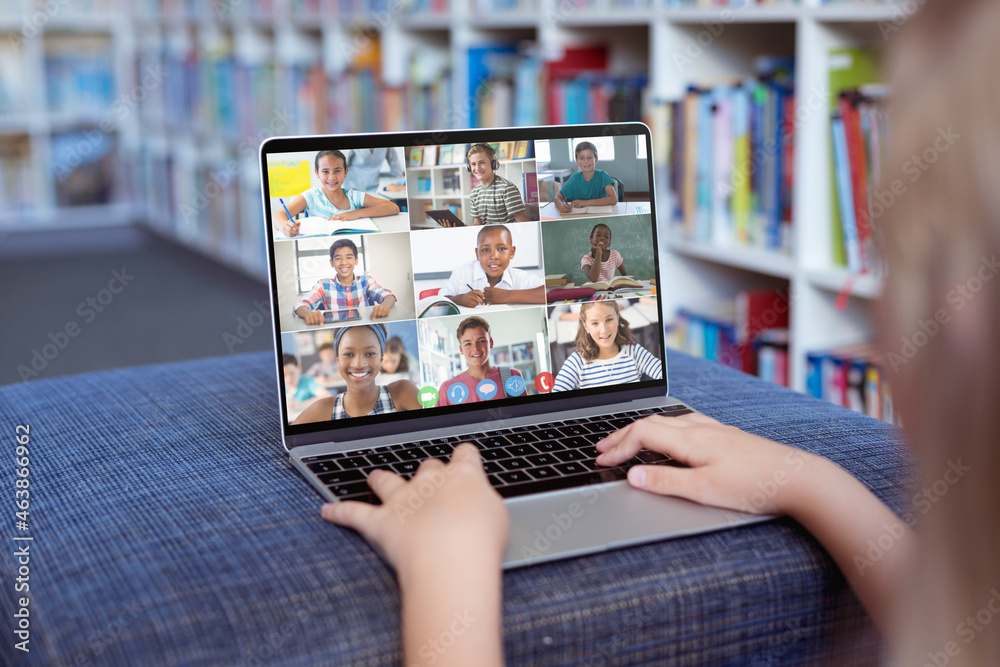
(565, 242)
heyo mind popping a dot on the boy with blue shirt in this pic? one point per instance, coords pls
(588, 187)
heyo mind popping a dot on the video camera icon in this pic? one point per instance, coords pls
(427, 396)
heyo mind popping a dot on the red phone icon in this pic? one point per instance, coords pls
(544, 382)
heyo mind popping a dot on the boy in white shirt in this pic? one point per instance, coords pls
(489, 279)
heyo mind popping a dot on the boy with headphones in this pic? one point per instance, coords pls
(495, 201)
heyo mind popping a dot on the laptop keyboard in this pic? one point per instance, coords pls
(518, 461)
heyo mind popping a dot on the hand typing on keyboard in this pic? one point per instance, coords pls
(729, 468)
(444, 531)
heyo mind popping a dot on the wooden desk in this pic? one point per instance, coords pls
(646, 290)
(290, 323)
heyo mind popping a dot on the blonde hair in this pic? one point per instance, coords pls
(585, 345)
(940, 319)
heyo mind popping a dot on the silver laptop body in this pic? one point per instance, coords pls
(545, 524)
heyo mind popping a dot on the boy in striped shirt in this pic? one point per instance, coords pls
(345, 290)
(495, 201)
(606, 352)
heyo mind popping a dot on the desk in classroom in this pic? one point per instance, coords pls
(646, 290)
(550, 212)
(290, 323)
(389, 223)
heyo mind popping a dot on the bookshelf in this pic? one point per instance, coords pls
(64, 114)
(188, 150)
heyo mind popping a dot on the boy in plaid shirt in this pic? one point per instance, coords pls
(345, 290)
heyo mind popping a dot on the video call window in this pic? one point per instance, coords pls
(455, 334)
(312, 259)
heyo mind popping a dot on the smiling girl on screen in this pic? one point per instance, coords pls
(359, 355)
(606, 352)
(331, 200)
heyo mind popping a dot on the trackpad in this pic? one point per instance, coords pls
(601, 517)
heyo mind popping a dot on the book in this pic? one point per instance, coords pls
(556, 279)
(844, 185)
(758, 311)
(569, 294)
(416, 157)
(589, 210)
(621, 282)
(446, 154)
(521, 150)
(851, 376)
(848, 69)
(530, 187)
(314, 226)
(436, 306)
(430, 156)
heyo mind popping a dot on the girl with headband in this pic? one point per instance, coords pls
(359, 351)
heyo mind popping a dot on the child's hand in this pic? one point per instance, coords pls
(474, 298)
(445, 512)
(380, 310)
(496, 294)
(313, 317)
(580, 203)
(290, 228)
(564, 207)
(729, 467)
(348, 215)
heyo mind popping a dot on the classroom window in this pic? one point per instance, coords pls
(312, 260)
(605, 147)
(640, 147)
(543, 153)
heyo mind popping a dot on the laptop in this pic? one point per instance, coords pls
(531, 383)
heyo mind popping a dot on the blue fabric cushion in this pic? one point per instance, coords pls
(170, 529)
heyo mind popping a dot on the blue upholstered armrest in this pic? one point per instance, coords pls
(169, 528)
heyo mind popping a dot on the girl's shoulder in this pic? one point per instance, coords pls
(403, 394)
(356, 197)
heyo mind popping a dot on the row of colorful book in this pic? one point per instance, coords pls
(510, 84)
(79, 74)
(709, 4)
(749, 333)
(731, 158)
(454, 154)
(271, 9)
(852, 377)
(859, 131)
(200, 202)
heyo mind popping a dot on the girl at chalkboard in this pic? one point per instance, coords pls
(601, 262)
(606, 352)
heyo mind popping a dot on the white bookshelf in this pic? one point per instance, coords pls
(32, 124)
(438, 196)
(170, 157)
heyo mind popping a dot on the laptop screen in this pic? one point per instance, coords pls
(418, 275)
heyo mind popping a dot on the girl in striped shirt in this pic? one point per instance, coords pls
(600, 263)
(606, 352)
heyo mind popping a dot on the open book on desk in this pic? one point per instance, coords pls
(314, 226)
(590, 210)
(621, 282)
